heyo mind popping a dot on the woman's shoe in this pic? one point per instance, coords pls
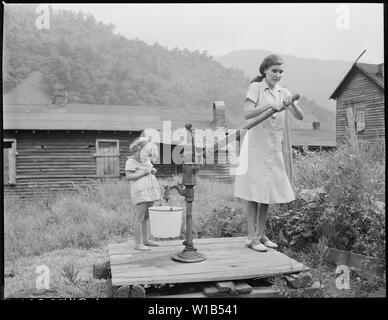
(256, 245)
(142, 247)
(150, 243)
(268, 243)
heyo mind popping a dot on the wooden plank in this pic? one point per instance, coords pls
(56, 166)
(227, 260)
(56, 176)
(171, 246)
(212, 291)
(257, 292)
(352, 129)
(225, 286)
(242, 274)
(128, 246)
(166, 267)
(217, 252)
(170, 270)
(190, 295)
(242, 287)
(218, 246)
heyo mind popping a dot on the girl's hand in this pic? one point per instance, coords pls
(148, 170)
(153, 170)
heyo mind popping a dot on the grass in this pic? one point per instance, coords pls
(72, 231)
(20, 275)
(93, 216)
(69, 233)
(72, 221)
(325, 275)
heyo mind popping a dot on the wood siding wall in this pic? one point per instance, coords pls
(360, 90)
(57, 161)
(219, 170)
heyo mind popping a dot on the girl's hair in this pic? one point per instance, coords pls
(143, 142)
(269, 61)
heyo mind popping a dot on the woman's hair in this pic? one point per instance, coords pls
(143, 142)
(269, 61)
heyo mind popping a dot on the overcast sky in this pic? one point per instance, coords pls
(304, 30)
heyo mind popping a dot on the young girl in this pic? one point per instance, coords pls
(144, 188)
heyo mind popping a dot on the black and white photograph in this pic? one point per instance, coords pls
(197, 150)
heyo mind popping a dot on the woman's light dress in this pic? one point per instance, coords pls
(261, 175)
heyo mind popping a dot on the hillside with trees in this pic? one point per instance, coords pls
(97, 66)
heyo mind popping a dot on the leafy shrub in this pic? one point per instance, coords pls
(224, 222)
(351, 218)
(297, 226)
(349, 209)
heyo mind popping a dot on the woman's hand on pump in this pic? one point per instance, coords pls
(287, 101)
(278, 107)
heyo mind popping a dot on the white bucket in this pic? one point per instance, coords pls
(165, 221)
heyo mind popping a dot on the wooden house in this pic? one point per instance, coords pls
(362, 89)
(313, 139)
(54, 146)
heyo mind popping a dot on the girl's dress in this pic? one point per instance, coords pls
(261, 175)
(144, 189)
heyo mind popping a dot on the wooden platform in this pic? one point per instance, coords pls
(227, 259)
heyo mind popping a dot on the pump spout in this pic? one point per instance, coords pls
(178, 187)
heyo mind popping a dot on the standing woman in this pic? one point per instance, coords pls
(265, 180)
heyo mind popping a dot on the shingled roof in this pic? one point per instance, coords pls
(372, 71)
(27, 108)
(100, 117)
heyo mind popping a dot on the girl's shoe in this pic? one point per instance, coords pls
(268, 243)
(256, 245)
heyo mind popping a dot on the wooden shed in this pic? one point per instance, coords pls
(362, 89)
(54, 146)
(313, 139)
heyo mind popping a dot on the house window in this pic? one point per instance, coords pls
(107, 158)
(359, 118)
(9, 161)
